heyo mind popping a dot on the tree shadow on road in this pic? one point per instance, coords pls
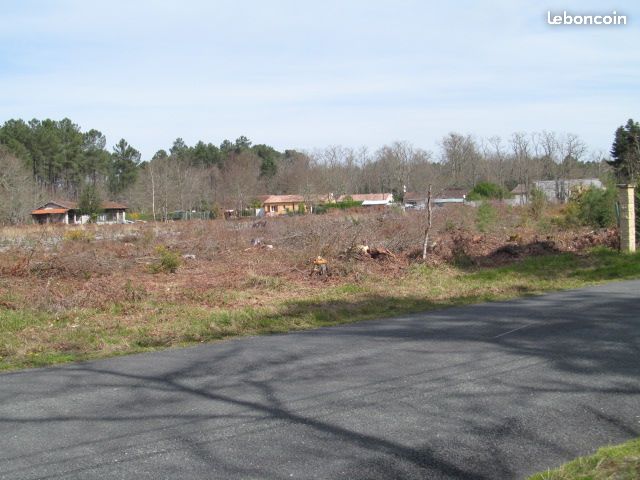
(474, 392)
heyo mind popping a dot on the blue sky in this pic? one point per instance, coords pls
(302, 74)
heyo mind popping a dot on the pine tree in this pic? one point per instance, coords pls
(625, 152)
(124, 168)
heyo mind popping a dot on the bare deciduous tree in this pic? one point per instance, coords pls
(18, 191)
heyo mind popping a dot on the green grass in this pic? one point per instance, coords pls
(621, 462)
(30, 338)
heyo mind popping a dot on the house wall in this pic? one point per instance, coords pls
(558, 191)
(51, 218)
(519, 199)
(112, 216)
(281, 208)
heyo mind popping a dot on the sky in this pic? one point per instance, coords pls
(310, 74)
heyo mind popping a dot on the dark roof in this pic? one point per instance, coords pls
(415, 196)
(64, 204)
(113, 206)
(452, 193)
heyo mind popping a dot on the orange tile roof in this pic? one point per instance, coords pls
(282, 199)
(47, 211)
(314, 197)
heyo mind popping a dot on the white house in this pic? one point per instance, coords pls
(66, 212)
(556, 191)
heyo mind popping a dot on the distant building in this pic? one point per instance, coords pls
(272, 205)
(281, 204)
(556, 191)
(66, 212)
(369, 199)
(441, 198)
(520, 194)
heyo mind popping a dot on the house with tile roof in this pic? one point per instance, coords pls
(68, 213)
(281, 204)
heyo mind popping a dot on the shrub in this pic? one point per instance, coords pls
(132, 292)
(461, 249)
(537, 203)
(90, 203)
(449, 226)
(320, 209)
(216, 211)
(488, 191)
(593, 206)
(485, 216)
(77, 235)
(343, 205)
(168, 261)
(147, 217)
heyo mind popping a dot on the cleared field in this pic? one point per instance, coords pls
(68, 293)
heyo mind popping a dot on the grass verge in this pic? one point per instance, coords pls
(620, 462)
(32, 338)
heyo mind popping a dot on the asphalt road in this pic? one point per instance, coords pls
(492, 391)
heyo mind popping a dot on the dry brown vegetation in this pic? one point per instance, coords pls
(89, 266)
(99, 290)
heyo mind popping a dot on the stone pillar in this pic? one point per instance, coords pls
(626, 200)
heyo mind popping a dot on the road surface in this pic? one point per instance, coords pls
(492, 391)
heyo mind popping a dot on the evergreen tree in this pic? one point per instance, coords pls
(179, 150)
(70, 156)
(96, 160)
(242, 143)
(124, 167)
(226, 147)
(16, 135)
(206, 154)
(160, 154)
(90, 202)
(626, 152)
(269, 159)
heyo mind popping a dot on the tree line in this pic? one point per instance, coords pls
(56, 159)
